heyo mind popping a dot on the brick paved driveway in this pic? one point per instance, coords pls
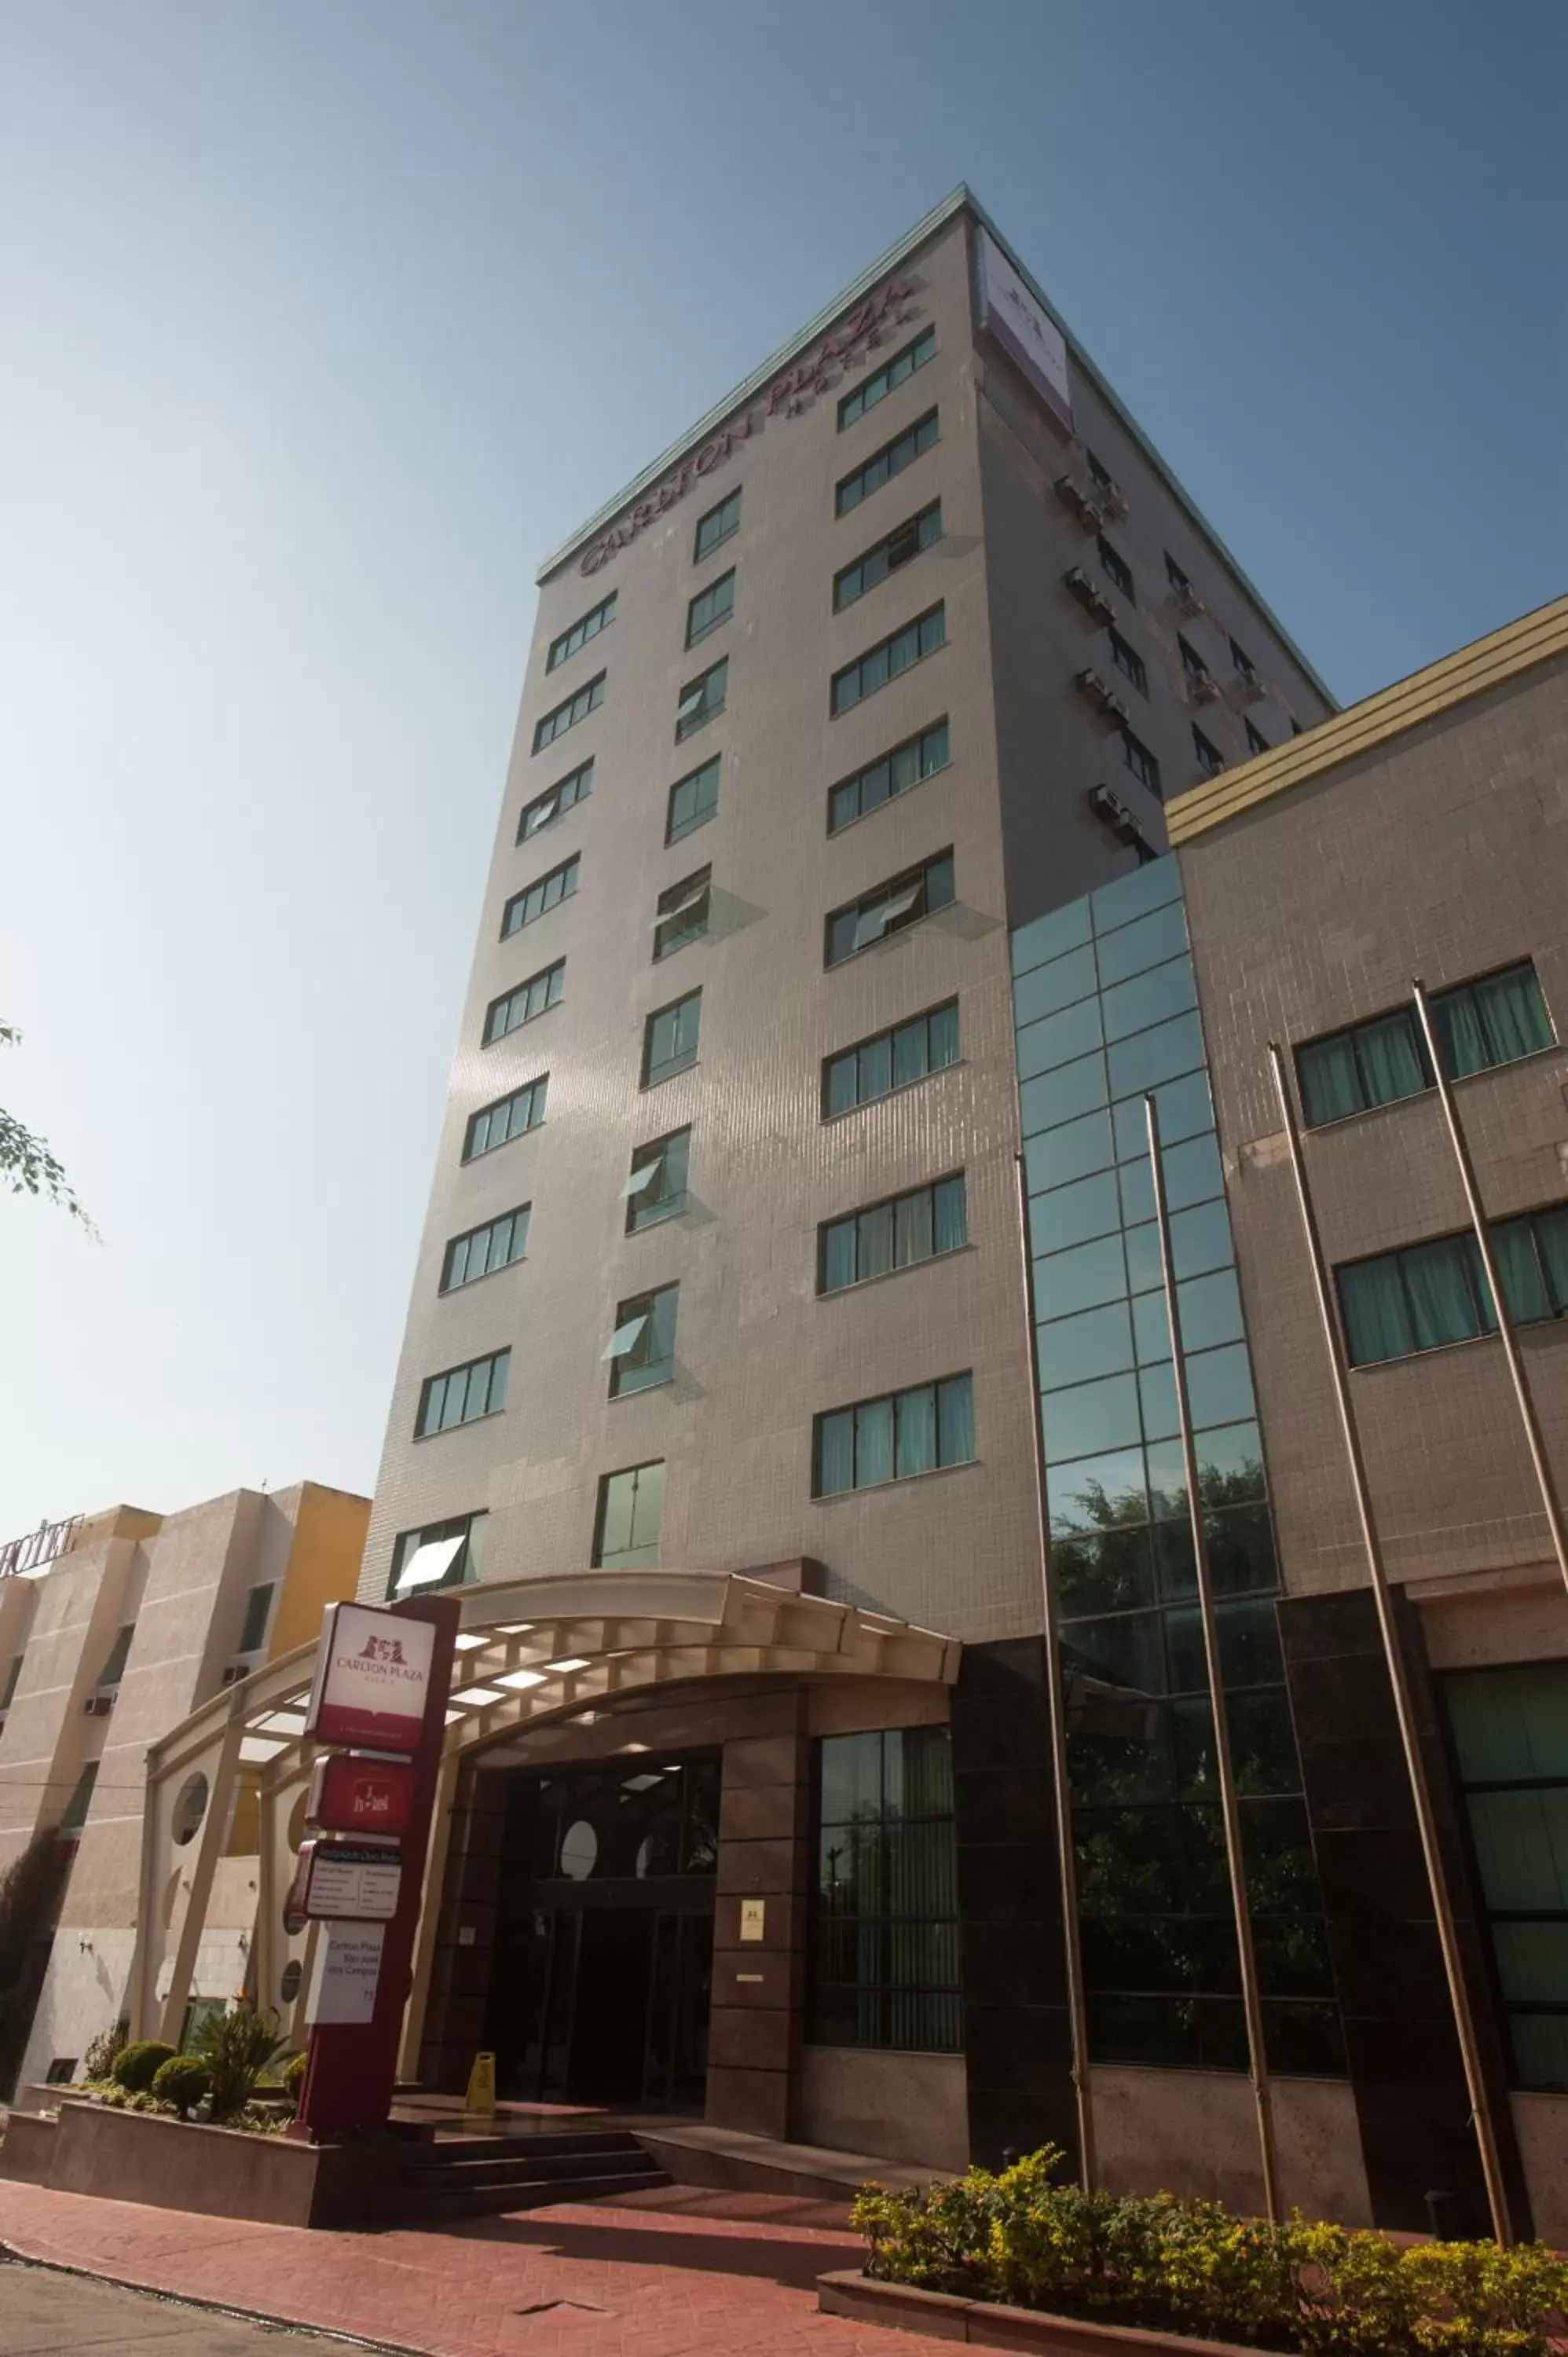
(675, 2273)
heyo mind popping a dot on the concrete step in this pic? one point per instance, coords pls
(512, 2168)
(447, 2151)
(464, 2200)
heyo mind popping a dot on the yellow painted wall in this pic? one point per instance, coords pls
(323, 1562)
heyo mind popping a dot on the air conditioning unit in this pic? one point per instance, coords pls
(1088, 593)
(1104, 697)
(1248, 685)
(1204, 688)
(235, 1672)
(1189, 601)
(1113, 812)
(1089, 512)
(1113, 499)
(98, 1706)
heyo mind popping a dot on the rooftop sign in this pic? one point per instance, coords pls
(866, 328)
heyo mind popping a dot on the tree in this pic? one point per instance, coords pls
(30, 1890)
(28, 1166)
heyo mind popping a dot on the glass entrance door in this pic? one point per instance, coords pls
(675, 2047)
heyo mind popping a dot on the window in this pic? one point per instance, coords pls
(641, 1351)
(1479, 1024)
(670, 1039)
(8, 1683)
(896, 1234)
(1129, 662)
(702, 700)
(1141, 762)
(631, 1511)
(907, 541)
(537, 900)
(258, 1612)
(570, 640)
(887, 378)
(114, 1669)
(888, 1439)
(716, 526)
(555, 801)
(1210, 760)
(657, 1187)
(75, 1812)
(1118, 572)
(902, 901)
(1099, 475)
(462, 1394)
(442, 1555)
(1434, 1293)
(694, 799)
(530, 998)
(1242, 661)
(710, 607)
(1256, 741)
(1192, 662)
(908, 764)
(480, 1251)
(682, 914)
(890, 1060)
(1177, 578)
(884, 463)
(884, 661)
(566, 715)
(1509, 1728)
(884, 1933)
(497, 1123)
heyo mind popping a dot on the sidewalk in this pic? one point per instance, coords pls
(675, 2273)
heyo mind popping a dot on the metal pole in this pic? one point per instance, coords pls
(1404, 1707)
(1551, 1503)
(1229, 1807)
(1066, 1865)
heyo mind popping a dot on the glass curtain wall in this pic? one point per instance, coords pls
(1106, 1006)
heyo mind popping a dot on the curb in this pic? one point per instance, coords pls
(11, 2257)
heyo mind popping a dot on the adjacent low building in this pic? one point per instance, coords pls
(112, 1631)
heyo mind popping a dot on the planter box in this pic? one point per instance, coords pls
(986, 2324)
(220, 2172)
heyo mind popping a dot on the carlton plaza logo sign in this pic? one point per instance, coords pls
(864, 329)
(373, 1679)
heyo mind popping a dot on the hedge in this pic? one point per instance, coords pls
(1191, 2267)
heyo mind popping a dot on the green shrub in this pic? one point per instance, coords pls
(135, 2067)
(1165, 2264)
(98, 2062)
(236, 2047)
(182, 2081)
(292, 2075)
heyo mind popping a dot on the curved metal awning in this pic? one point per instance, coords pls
(528, 1651)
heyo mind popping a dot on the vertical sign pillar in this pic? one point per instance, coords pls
(352, 2067)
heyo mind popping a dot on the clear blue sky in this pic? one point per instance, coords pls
(321, 324)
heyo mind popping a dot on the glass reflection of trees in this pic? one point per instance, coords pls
(885, 1966)
(650, 1820)
(1159, 1941)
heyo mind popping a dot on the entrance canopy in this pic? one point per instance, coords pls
(528, 1650)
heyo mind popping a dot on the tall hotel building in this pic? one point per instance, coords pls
(831, 877)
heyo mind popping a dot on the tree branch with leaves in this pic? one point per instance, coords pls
(28, 1166)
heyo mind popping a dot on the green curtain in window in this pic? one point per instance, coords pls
(1491, 1022)
(1552, 1240)
(1446, 1300)
(917, 1430)
(913, 1224)
(1392, 1062)
(1377, 1320)
(944, 1037)
(835, 1454)
(838, 1255)
(873, 1443)
(874, 1255)
(1330, 1084)
(1523, 1280)
(952, 1229)
(955, 1420)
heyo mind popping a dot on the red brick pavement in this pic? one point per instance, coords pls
(672, 2274)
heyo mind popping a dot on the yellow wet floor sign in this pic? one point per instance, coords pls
(482, 2084)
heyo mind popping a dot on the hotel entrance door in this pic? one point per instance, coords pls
(603, 1953)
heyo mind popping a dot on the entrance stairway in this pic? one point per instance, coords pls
(473, 2176)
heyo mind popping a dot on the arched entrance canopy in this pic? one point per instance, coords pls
(528, 1650)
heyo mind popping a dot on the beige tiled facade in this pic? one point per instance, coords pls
(757, 1353)
(182, 1584)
